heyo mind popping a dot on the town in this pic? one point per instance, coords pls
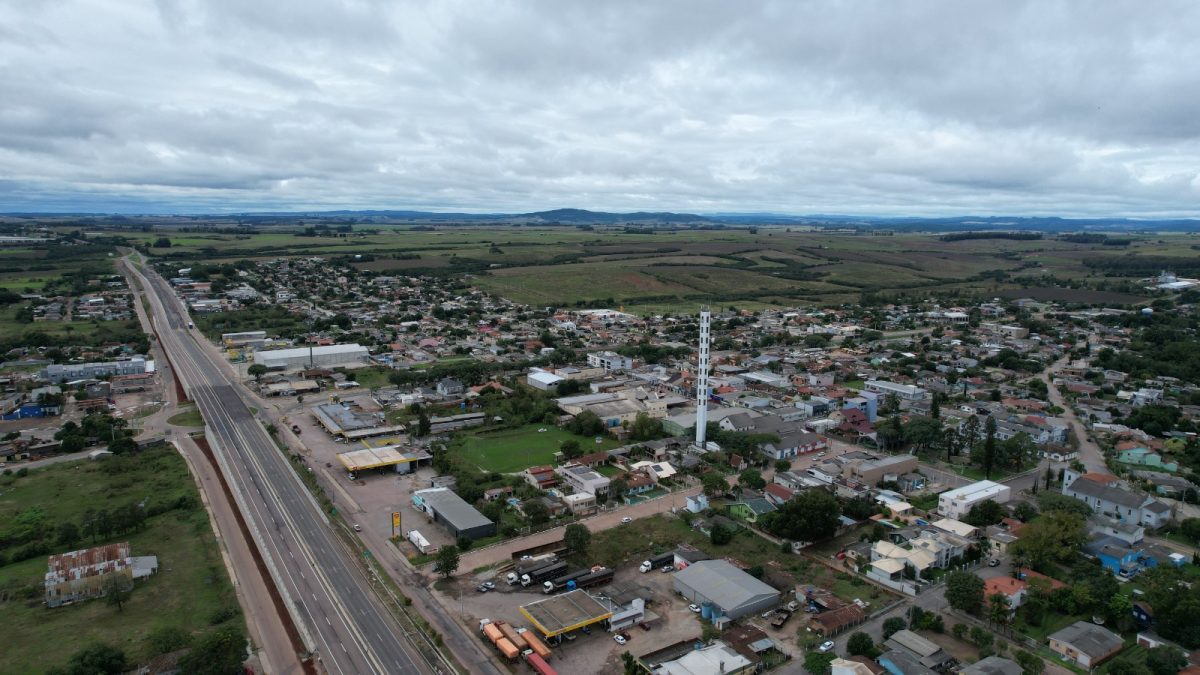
(1005, 486)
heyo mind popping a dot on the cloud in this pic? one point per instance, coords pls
(1057, 108)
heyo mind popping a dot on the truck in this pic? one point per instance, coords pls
(539, 664)
(494, 633)
(656, 562)
(535, 644)
(541, 574)
(522, 567)
(559, 583)
(780, 617)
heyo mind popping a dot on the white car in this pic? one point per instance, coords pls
(695, 608)
(626, 520)
(357, 527)
(542, 430)
(825, 646)
(620, 640)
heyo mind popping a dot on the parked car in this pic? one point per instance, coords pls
(994, 562)
(620, 640)
(626, 520)
(489, 584)
(668, 568)
(357, 527)
(825, 646)
(694, 607)
(482, 588)
(644, 626)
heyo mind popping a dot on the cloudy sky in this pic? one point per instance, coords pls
(897, 108)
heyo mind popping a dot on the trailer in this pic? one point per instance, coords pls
(512, 636)
(598, 577)
(541, 574)
(535, 644)
(539, 664)
(506, 648)
(561, 582)
(492, 633)
(656, 562)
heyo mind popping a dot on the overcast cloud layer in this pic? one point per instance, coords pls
(897, 108)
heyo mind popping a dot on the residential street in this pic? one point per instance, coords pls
(1090, 454)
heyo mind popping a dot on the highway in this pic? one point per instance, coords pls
(339, 617)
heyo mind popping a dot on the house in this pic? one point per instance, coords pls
(778, 494)
(637, 483)
(697, 503)
(448, 386)
(992, 665)
(583, 479)
(751, 508)
(793, 444)
(1086, 643)
(1012, 589)
(917, 560)
(926, 653)
(871, 469)
(958, 502)
(655, 470)
(834, 621)
(717, 657)
(541, 477)
(1105, 495)
(580, 503)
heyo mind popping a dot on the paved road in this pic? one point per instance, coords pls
(339, 616)
(1089, 453)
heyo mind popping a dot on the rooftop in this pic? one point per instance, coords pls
(564, 613)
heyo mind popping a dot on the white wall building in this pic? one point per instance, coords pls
(956, 503)
(327, 356)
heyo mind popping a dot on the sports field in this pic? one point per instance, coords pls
(514, 450)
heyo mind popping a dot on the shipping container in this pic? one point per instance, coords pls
(512, 636)
(492, 633)
(507, 649)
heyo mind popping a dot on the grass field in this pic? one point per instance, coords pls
(514, 450)
(191, 591)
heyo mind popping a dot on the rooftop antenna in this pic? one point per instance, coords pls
(702, 379)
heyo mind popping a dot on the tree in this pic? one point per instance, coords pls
(446, 563)
(1190, 528)
(989, 446)
(617, 487)
(117, 589)
(1120, 611)
(782, 465)
(68, 534)
(719, 535)
(860, 644)
(1057, 536)
(571, 449)
(714, 484)
(221, 652)
(423, 425)
(1024, 511)
(964, 591)
(751, 478)
(1165, 661)
(586, 423)
(257, 370)
(892, 625)
(97, 659)
(810, 516)
(162, 242)
(998, 610)
(1126, 665)
(645, 428)
(818, 663)
(986, 512)
(536, 511)
(577, 538)
(1030, 663)
(1056, 501)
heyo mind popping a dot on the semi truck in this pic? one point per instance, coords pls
(597, 576)
(524, 566)
(512, 636)
(493, 634)
(541, 574)
(656, 562)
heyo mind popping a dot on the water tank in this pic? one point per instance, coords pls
(706, 610)
(717, 615)
(1147, 310)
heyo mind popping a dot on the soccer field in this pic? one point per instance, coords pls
(514, 450)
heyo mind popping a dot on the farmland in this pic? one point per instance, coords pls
(654, 271)
(191, 592)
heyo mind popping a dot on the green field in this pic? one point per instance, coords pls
(191, 591)
(514, 450)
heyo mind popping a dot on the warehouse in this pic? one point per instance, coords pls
(458, 517)
(340, 420)
(327, 356)
(724, 588)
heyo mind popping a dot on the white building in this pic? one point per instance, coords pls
(956, 503)
(609, 361)
(327, 356)
(904, 392)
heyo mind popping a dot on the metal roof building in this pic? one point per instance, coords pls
(726, 587)
(564, 613)
(324, 356)
(459, 517)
